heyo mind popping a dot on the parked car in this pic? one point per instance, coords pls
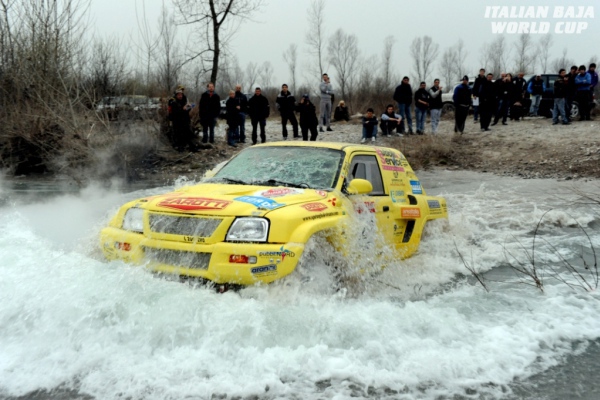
(124, 107)
(547, 102)
(244, 225)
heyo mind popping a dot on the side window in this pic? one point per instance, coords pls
(367, 167)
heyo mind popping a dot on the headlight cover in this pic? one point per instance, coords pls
(134, 220)
(248, 229)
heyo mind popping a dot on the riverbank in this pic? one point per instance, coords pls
(532, 148)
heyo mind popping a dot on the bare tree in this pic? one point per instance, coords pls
(290, 56)
(266, 75)
(494, 55)
(423, 52)
(218, 20)
(452, 66)
(169, 58)
(251, 75)
(387, 75)
(149, 41)
(562, 62)
(543, 52)
(525, 54)
(343, 55)
(448, 67)
(315, 37)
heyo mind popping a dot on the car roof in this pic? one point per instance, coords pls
(328, 145)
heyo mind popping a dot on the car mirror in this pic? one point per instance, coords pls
(359, 186)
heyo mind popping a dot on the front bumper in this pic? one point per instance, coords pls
(207, 261)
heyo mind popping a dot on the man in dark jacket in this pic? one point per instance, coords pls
(487, 102)
(232, 105)
(179, 114)
(369, 123)
(504, 94)
(210, 108)
(422, 99)
(476, 85)
(243, 103)
(286, 104)
(308, 118)
(389, 121)
(571, 90)
(403, 96)
(258, 108)
(583, 82)
(560, 94)
(462, 103)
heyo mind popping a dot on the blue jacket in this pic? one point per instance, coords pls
(583, 82)
(530, 87)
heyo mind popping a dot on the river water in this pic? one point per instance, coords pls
(74, 326)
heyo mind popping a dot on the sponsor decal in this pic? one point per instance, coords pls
(279, 192)
(398, 196)
(433, 204)
(281, 253)
(315, 207)
(319, 216)
(260, 202)
(411, 213)
(194, 203)
(368, 206)
(321, 193)
(416, 187)
(397, 182)
(332, 201)
(390, 161)
(264, 270)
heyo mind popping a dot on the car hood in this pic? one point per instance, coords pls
(230, 200)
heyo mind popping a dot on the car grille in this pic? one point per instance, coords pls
(186, 226)
(186, 259)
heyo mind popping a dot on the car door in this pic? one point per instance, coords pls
(378, 202)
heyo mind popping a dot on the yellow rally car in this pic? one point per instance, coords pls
(250, 219)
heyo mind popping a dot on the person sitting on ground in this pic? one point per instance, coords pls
(341, 112)
(369, 123)
(308, 118)
(390, 121)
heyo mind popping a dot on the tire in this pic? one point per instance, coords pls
(447, 108)
(574, 110)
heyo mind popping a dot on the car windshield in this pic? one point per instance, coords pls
(309, 167)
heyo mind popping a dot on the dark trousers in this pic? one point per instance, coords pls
(568, 105)
(486, 110)
(208, 129)
(501, 111)
(313, 132)
(255, 122)
(583, 101)
(460, 116)
(182, 136)
(284, 120)
(387, 126)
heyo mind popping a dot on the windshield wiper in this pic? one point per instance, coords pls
(229, 180)
(283, 183)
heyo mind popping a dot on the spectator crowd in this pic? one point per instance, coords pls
(491, 100)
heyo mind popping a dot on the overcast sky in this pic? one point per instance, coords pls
(282, 22)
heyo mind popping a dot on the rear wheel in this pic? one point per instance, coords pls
(574, 110)
(447, 108)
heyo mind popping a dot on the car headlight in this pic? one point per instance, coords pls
(134, 220)
(249, 229)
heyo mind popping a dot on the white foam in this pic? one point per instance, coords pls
(112, 330)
